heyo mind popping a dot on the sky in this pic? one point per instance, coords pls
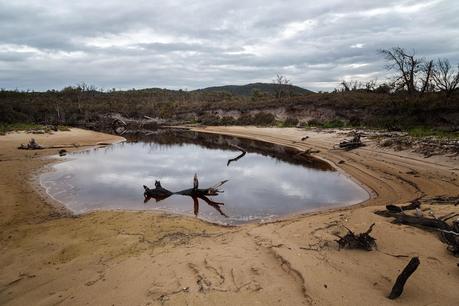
(50, 44)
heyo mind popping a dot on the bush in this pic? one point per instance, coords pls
(334, 124)
(209, 120)
(244, 119)
(290, 121)
(264, 119)
(227, 120)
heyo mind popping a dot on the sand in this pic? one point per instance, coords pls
(49, 257)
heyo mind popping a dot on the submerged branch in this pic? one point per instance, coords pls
(237, 157)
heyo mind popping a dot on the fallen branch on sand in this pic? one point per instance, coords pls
(412, 205)
(397, 290)
(449, 234)
(351, 144)
(237, 157)
(360, 241)
(159, 193)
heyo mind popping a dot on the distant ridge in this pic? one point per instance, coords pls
(247, 90)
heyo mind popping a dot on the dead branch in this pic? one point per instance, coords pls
(159, 193)
(397, 290)
(411, 206)
(237, 157)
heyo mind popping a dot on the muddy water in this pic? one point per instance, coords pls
(268, 182)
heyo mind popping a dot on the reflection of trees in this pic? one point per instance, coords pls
(171, 137)
(159, 193)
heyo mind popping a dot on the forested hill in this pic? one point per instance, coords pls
(249, 89)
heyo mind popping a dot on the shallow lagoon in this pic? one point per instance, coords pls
(270, 181)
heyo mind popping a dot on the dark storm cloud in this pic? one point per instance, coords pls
(192, 44)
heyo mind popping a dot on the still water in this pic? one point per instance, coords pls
(268, 182)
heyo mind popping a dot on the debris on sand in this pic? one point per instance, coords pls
(448, 233)
(32, 145)
(357, 241)
(427, 146)
(351, 144)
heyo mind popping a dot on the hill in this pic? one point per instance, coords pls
(248, 89)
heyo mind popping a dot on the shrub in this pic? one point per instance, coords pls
(290, 121)
(263, 119)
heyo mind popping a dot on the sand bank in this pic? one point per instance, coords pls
(49, 257)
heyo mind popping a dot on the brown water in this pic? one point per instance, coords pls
(268, 182)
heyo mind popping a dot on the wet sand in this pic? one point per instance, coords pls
(49, 257)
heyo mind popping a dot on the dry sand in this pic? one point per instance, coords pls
(145, 258)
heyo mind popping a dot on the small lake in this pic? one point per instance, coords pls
(268, 182)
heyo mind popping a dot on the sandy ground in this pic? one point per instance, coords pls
(48, 257)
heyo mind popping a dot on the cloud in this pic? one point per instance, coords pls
(193, 44)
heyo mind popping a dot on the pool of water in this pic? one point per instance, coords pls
(268, 182)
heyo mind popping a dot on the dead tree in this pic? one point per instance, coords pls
(444, 77)
(360, 241)
(243, 152)
(426, 79)
(397, 289)
(159, 193)
(412, 74)
(281, 86)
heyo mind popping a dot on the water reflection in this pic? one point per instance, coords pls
(268, 181)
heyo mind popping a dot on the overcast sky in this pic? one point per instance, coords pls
(193, 44)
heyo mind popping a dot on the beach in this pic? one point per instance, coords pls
(52, 257)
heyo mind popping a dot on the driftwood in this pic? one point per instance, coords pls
(32, 145)
(360, 241)
(397, 290)
(449, 233)
(351, 144)
(119, 127)
(243, 152)
(159, 193)
(412, 205)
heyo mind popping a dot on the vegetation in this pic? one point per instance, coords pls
(258, 88)
(29, 127)
(422, 93)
